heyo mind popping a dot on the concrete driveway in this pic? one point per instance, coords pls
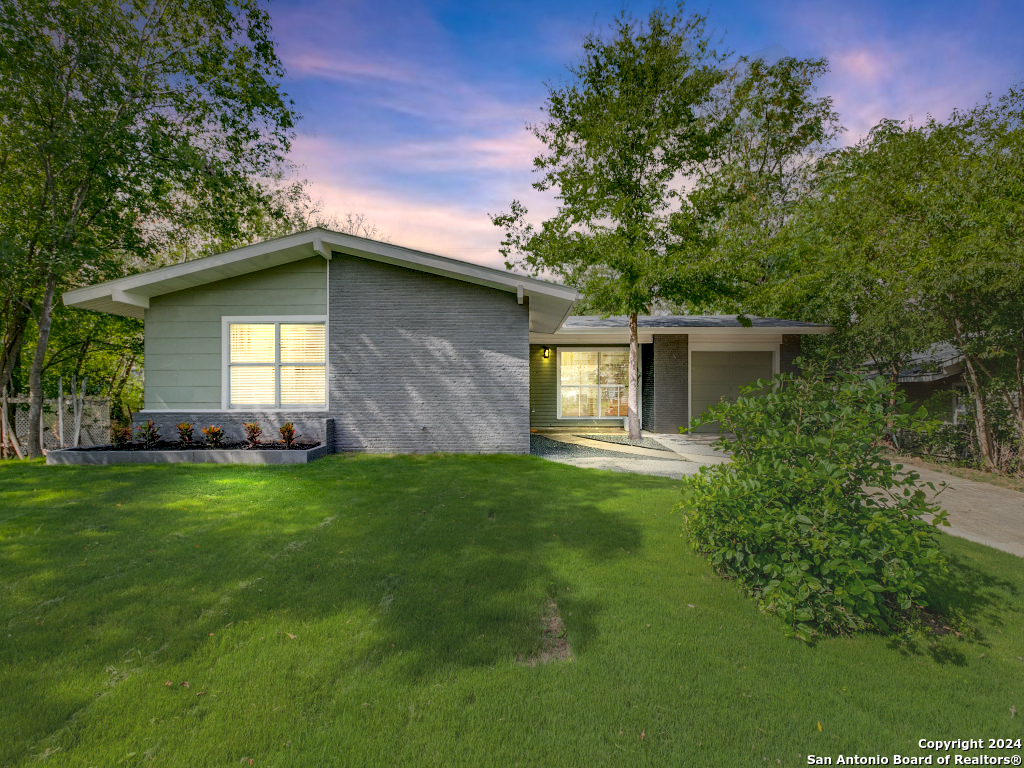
(980, 512)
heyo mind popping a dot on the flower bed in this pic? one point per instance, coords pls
(166, 452)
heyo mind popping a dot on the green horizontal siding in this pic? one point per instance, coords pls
(544, 390)
(183, 329)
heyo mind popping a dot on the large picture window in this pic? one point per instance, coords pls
(593, 383)
(276, 364)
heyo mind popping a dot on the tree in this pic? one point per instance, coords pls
(774, 130)
(841, 258)
(618, 137)
(122, 124)
(915, 238)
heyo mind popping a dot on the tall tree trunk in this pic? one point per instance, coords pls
(14, 340)
(634, 379)
(981, 424)
(35, 376)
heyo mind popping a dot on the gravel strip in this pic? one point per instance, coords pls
(545, 447)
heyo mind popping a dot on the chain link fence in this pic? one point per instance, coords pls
(59, 432)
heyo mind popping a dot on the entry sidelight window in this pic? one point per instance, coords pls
(593, 383)
(277, 365)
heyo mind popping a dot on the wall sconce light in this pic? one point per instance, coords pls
(546, 352)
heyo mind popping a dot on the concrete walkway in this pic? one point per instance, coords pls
(980, 512)
(598, 454)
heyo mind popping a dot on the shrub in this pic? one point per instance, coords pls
(214, 435)
(252, 433)
(149, 434)
(288, 434)
(185, 433)
(810, 517)
(121, 435)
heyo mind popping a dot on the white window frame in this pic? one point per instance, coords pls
(725, 346)
(225, 360)
(603, 348)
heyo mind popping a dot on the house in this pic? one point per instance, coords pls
(934, 378)
(374, 347)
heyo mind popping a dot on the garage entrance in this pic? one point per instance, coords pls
(714, 375)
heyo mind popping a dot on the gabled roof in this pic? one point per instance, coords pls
(129, 296)
(584, 323)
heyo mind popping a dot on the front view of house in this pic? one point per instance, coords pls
(374, 347)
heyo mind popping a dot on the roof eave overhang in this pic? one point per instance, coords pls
(549, 303)
(702, 330)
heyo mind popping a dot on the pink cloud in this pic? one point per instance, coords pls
(510, 151)
(881, 71)
(459, 228)
(869, 85)
(338, 67)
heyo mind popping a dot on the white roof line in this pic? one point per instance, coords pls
(133, 288)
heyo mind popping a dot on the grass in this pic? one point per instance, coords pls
(413, 586)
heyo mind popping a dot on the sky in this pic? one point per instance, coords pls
(414, 112)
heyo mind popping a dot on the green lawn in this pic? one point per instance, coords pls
(411, 586)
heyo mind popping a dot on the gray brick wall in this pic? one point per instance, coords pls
(671, 385)
(788, 352)
(421, 363)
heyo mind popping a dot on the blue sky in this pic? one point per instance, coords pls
(414, 112)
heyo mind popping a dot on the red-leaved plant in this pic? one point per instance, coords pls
(185, 433)
(288, 434)
(214, 435)
(149, 434)
(120, 435)
(252, 433)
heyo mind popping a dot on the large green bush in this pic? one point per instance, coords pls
(810, 516)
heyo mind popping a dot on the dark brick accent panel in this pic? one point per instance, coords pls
(671, 384)
(788, 352)
(647, 385)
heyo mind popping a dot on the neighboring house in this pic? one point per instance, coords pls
(934, 377)
(374, 347)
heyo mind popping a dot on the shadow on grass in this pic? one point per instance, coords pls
(962, 600)
(449, 559)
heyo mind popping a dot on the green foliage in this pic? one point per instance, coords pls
(185, 430)
(773, 130)
(913, 238)
(287, 431)
(149, 433)
(214, 435)
(618, 135)
(120, 435)
(127, 127)
(253, 432)
(813, 520)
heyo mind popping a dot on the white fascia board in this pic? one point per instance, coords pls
(606, 335)
(124, 297)
(319, 247)
(446, 267)
(107, 297)
(128, 295)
